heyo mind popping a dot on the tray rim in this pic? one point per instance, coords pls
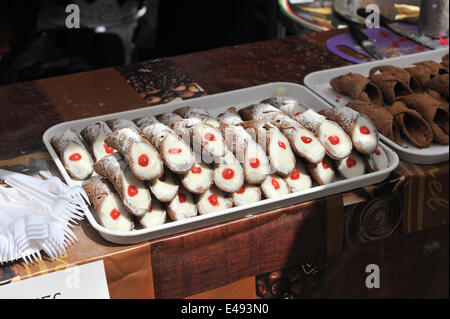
(415, 156)
(232, 213)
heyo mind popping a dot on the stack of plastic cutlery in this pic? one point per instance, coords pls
(37, 215)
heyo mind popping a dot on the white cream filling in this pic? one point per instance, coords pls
(330, 129)
(165, 190)
(185, 209)
(179, 160)
(140, 202)
(155, 216)
(215, 147)
(198, 181)
(270, 190)
(124, 222)
(302, 182)
(251, 194)
(254, 151)
(98, 147)
(206, 205)
(213, 122)
(327, 175)
(81, 168)
(368, 142)
(229, 162)
(313, 150)
(281, 158)
(356, 170)
(378, 162)
(154, 166)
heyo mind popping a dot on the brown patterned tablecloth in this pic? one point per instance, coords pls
(315, 249)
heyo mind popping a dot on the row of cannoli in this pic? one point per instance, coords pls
(162, 160)
(414, 100)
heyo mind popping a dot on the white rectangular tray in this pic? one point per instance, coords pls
(216, 104)
(319, 82)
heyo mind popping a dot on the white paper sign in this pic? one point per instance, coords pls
(80, 282)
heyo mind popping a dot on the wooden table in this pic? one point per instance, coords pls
(320, 252)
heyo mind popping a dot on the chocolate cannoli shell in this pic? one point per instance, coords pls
(432, 110)
(168, 118)
(380, 117)
(391, 86)
(358, 87)
(92, 131)
(191, 111)
(440, 84)
(258, 112)
(112, 167)
(413, 126)
(434, 67)
(117, 124)
(444, 61)
(398, 73)
(230, 117)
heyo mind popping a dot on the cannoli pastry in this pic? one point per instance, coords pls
(398, 73)
(391, 85)
(299, 179)
(433, 111)
(230, 117)
(108, 206)
(444, 61)
(228, 173)
(435, 67)
(287, 105)
(155, 216)
(358, 87)
(199, 178)
(174, 151)
(182, 206)
(277, 146)
(73, 154)
(249, 153)
(274, 186)
(203, 137)
(358, 126)
(142, 157)
(168, 118)
(351, 166)
(247, 194)
(380, 117)
(337, 143)
(303, 142)
(440, 84)
(213, 200)
(134, 194)
(378, 160)
(187, 112)
(425, 71)
(117, 124)
(323, 173)
(413, 126)
(95, 134)
(164, 188)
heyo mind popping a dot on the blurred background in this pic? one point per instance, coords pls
(35, 42)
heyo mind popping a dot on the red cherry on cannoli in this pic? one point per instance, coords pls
(150, 209)
(275, 184)
(254, 162)
(242, 190)
(143, 160)
(377, 152)
(295, 174)
(213, 200)
(281, 144)
(364, 130)
(209, 137)
(175, 151)
(298, 113)
(181, 197)
(350, 162)
(228, 173)
(114, 214)
(325, 165)
(132, 190)
(108, 150)
(334, 140)
(75, 157)
(196, 169)
(306, 140)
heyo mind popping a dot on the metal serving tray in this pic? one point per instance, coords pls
(216, 104)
